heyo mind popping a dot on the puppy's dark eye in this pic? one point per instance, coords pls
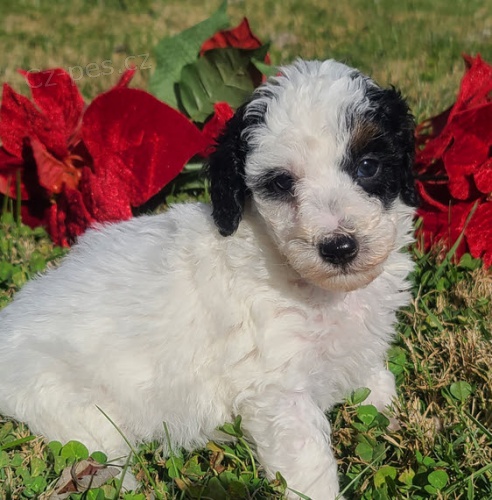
(367, 168)
(281, 184)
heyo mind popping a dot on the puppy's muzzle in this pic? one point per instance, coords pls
(338, 250)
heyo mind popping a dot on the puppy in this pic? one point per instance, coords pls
(273, 303)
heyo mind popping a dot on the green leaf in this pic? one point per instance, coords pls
(74, 450)
(5, 430)
(406, 477)
(131, 496)
(16, 460)
(38, 485)
(364, 451)
(215, 490)
(430, 489)
(469, 263)
(438, 479)
(460, 390)
(397, 360)
(237, 426)
(219, 75)
(192, 467)
(265, 68)
(18, 278)
(173, 53)
(6, 271)
(55, 447)
(233, 429)
(99, 456)
(37, 262)
(386, 471)
(38, 466)
(95, 494)
(4, 459)
(382, 421)
(379, 452)
(174, 465)
(367, 414)
(238, 490)
(60, 464)
(7, 218)
(23, 472)
(16, 442)
(359, 395)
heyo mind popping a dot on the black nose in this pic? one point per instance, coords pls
(338, 250)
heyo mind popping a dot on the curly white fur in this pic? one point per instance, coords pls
(160, 319)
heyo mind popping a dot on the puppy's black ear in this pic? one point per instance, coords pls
(395, 113)
(408, 192)
(407, 137)
(225, 170)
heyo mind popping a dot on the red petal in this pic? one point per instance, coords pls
(138, 143)
(461, 161)
(474, 122)
(240, 37)
(479, 233)
(216, 124)
(432, 139)
(56, 227)
(483, 177)
(14, 120)
(472, 141)
(434, 194)
(9, 165)
(57, 96)
(126, 78)
(106, 197)
(476, 85)
(73, 218)
(52, 173)
(20, 119)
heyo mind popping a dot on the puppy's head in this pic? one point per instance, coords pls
(325, 156)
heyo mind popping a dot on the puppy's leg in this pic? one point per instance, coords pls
(291, 435)
(383, 393)
(59, 412)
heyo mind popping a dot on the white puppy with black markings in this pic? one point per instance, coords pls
(274, 304)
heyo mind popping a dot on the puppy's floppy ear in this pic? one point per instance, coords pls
(406, 136)
(397, 115)
(225, 170)
(408, 192)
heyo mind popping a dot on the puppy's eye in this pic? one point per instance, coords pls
(367, 168)
(281, 184)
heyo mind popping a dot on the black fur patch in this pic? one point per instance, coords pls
(275, 184)
(225, 169)
(386, 133)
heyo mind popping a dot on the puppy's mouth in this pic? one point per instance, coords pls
(343, 266)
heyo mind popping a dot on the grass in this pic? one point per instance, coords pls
(443, 355)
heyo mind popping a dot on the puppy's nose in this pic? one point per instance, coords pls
(338, 250)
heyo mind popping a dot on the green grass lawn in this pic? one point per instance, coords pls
(443, 355)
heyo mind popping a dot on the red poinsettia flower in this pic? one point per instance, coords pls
(454, 168)
(80, 166)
